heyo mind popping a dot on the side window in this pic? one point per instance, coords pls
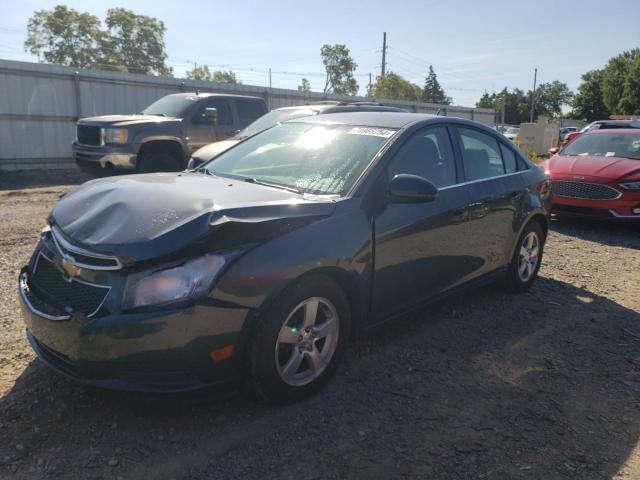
(248, 111)
(480, 155)
(427, 154)
(509, 158)
(225, 117)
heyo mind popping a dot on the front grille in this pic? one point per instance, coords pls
(88, 135)
(584, 190)
(48, 283)
(81, 257)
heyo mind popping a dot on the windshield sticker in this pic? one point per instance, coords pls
(374, 132)
(610, 154)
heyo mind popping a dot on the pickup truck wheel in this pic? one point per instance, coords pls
(158, 161)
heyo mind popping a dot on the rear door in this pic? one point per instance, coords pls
(496, 189)
(249, 110)
(420, 247)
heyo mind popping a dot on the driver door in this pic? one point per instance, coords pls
(203, 132)
(420, 247)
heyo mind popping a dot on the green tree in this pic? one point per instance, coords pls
(551, 97)
(614, 77)
(135, 42)
(65, 36)
(630, 102)
(433, 91)
(394, 87)
(304, 86)
(218, 76)
(221, 76)
(588, 104)
(516, 105)
(339, 67)
(130, 43)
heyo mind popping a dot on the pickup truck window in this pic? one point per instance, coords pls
(248, 111)
(225, 117)
(171, 106)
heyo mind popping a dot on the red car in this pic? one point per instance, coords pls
(597, 175)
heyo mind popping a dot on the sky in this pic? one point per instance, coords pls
(474, 46)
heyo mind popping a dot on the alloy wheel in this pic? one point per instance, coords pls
(529, 256)
(307, 341)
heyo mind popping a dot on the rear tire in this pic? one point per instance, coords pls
(526, 260)
(297, 345)
(158, 161)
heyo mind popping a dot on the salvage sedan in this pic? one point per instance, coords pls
(597, 175)
(260, 266)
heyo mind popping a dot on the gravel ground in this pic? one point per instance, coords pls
(542, 385)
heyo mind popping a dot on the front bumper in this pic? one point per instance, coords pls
(153, 351)
(95, 159)
(624, 208)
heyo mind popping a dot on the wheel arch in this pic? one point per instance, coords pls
(173, 145)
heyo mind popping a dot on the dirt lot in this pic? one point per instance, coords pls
(543, 385)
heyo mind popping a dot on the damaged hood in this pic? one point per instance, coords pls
(139, 217)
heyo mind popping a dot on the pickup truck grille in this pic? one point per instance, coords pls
(584, 190)
(88, 135)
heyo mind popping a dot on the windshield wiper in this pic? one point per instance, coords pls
(273, 185)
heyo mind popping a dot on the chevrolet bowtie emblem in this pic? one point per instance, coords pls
(70, 268)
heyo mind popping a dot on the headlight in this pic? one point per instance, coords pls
(114, 135)
(190, 280)
(631, 185)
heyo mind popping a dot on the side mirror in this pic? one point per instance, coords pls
(194, 163)
(405, 188)
(210, 115)
(553, 150)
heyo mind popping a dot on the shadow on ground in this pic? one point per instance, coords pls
(20, 180)
(487, 385)
(619, 234)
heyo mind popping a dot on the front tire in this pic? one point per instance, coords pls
(297, 345)
(526, 260)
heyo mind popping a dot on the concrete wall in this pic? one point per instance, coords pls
(39, 105)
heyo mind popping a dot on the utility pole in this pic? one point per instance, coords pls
(384, 52)
(533, 93)
(504, 102)
(369, 89)
(269, 102)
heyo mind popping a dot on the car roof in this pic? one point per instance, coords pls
(368, 119)
(343, 107)
(207, 94)
(615, 122)
(614, 131)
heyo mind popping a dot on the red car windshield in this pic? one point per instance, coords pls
(605, 145)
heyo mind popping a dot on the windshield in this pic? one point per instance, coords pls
(605, 145)
(171, 106)
(273, 117)
(311, 158)
(513, 130)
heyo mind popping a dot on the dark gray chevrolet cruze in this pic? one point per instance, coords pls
(260, 265)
